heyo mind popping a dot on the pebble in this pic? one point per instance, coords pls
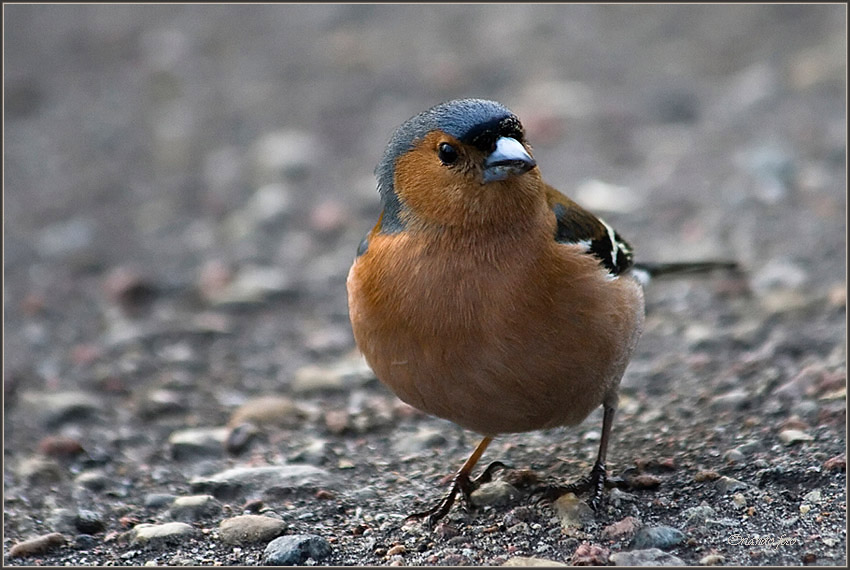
(85, 521)
(39, 470)
(590, 555)
(648, 557)
(198, 443)
(657, 537)
(172, 532)
(158, 500)
(38, 545)
(161, 402)
(531, 562)
(129, 289)
(837, 463)
(275, 411)
(623, 529)
(572, 512)
(342, 375)
(421, 440)
(296, 549)
(732, 400)
(60, 447)
(94, 480)
(58, 408)
(316, 452)
(728, 484)
(251, 285)
(733, 456)
(712, 560)
(706, 475)
(792, 436)
(813, 496)
(739, 500)
(698, 515)
(194, 508)
(494, 493)
(250, 529)
(618, 497)
(254, 481)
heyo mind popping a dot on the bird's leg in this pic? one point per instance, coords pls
(461, 482)
(594, 483)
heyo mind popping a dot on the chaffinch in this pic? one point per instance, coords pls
(486, 297)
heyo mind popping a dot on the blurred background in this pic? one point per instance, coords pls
(185, 186)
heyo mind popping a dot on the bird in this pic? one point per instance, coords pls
(486, 297)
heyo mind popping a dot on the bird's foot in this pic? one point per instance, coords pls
(595, 484)
(460, 484)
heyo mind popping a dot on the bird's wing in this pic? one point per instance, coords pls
(578, 226)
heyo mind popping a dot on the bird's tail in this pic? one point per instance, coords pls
(655, 270)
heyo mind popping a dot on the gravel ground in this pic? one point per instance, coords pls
(185, 188)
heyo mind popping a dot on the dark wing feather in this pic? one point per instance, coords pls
(578, 226)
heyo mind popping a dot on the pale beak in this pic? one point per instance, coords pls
(509, 158)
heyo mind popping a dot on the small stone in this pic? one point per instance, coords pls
(275, 411)
(37, 546)
(590, 555)
(94, 480)
(256, 481)
(657, 537)
(706, 475)
(792, 436)
(173, 532)
(732, 400)
(712, 560)
(345, 374)
(837, 463)
(813, 496)
(622, 529)
(494, 493)
(729, 484)
(734, 456)
(648, 557)
(316, 452)
(571, 511)
(397, 549)
(699, 515)
(739, 500)
(250, 529)
(251, 285)
(421, 440)
(618, 497)
(60, 447)
(645, 481)
(194, 508)
(130, 290)
(39, 470)
(58, 408)
(158, 500)
(337, 421)
(198, 443)
(531, 562)
(804, 509)
(88, 522)
(295, 550)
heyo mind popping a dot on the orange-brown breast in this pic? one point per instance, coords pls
(505, 334)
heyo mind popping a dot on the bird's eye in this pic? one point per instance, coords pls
(447, 153)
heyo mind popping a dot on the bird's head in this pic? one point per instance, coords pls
(459, 163)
